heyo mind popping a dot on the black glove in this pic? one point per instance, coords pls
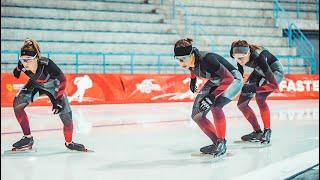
(249, 88)
(193, 86)
(57, 106)
(207, 102)
(17, 70)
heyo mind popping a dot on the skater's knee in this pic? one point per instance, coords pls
(20, 100)
(221, 102)
(19, 105)
(66, 118)
(217, 110)
(242, 105)
(196, 117)
(261, 100)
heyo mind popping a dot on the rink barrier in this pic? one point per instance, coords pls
(285, 168)
(146, 88)
(300, 173)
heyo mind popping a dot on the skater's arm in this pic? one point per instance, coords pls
(192, 75)
(193, 82)
(240, 69)
(56, 73)
(272, 82)
(221, 73)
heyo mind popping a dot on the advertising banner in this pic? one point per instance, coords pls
(145, 88)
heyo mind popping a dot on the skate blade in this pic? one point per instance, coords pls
(249, 144)
(200, 154)
(19, 151)
(246, 142)
(84, 151)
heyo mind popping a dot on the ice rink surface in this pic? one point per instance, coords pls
(154, 142)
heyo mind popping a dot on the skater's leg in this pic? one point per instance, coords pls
(66, 118)
(243, 105)
(206, 126)
(219, 117)
(219, 122)
(67, 132)
(261, 99)
(200, 118)
(226, 97)
(265, 116)
(264, 109)
(21, 101)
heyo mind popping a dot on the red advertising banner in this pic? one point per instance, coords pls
(145, 88)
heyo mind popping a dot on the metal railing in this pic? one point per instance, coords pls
(198, 31)
(296, 38)
(104, 63)
(178, 4)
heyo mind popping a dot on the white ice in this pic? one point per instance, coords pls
(151, 142)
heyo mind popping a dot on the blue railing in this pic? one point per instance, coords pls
(104, 63)
(296, 38)
(198, 31)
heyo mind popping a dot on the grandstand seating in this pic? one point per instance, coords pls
(146, 26)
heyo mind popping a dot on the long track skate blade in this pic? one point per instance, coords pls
(246, 142)
(252, 144)
(84, 151)
(19, 151)
(200, 154)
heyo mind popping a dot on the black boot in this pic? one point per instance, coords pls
(266, 136)
(208, 149)
(254, 136)
(23, 143)
(221, 148)
(217, 149)
(75, 146)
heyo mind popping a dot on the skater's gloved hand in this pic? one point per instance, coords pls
(57, 106)
(249, 88)
(17, 70)
(193, 86)
(207, 102)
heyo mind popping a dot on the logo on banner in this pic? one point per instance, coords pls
(147, 86)
(180, 95)
(83, 83)
(9, 87)
(289, 85)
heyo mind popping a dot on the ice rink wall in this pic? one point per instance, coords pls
(90, 89)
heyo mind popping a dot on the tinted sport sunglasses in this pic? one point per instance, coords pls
(27, 59)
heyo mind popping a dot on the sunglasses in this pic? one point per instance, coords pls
(27, 59)
(183, 58)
